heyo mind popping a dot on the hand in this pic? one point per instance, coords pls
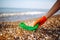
(40, 21)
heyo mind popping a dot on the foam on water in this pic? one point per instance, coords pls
(20, 16)
(22, 13)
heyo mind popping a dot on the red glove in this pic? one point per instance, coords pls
(40, 21)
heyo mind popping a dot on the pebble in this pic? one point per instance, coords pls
(13, 32)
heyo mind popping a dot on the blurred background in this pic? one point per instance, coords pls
(14, 10)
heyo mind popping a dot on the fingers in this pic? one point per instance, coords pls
(40, 21)
(37, 21)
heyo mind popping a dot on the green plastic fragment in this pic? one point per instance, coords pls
(26, 27)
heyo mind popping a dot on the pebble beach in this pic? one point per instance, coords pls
(50, 30)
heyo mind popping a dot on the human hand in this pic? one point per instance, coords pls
(40, 21)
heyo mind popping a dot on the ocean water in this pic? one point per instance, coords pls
(17, 14)
(7, 10)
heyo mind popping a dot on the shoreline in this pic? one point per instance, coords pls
(11, 30)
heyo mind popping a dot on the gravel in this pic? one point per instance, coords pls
(50, 30)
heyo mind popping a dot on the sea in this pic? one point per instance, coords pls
(18, 14)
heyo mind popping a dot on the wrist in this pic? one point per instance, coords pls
(43, 19)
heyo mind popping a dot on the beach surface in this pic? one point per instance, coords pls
(50, 30)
